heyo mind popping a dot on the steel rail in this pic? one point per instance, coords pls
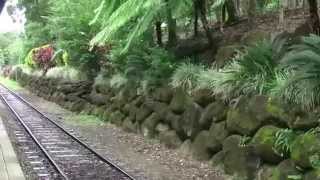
(108, 161)
(55, 164)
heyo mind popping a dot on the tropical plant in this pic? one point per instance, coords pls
(186, 76)
(138, 15)
(284, 140)
(250, 72)
(66, 73)
(303, 62)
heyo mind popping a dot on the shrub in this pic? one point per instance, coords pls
(250, 72)
(41, 57)
(186, 76)
(118, 80)
(302, 85)
(66, 73)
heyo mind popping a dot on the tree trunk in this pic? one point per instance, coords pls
(196, 18)
(231, 10)
(172, 26)
(314, 16)
(252, 11)
(159, 33)
(203, 16)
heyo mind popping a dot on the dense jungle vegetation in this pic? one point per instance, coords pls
(147, 43)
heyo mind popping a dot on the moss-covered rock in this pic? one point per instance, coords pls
(179, 101)
(286, 170)
(143, 113)
(250, 114)
(263, 143)
(238, 160)
(200, 148)
(217, 134)
(170, 139)
(98, 99)
(116, 118)
(303, 120)
(186, 148)
(312, 175)
(163, 94)
(214, 112)
(129, 126)
(304, 147)
(149, 125)
(161, 127)
(265, 172)
(203, 97)
(190, 120)
(158, 107)
(217, 159)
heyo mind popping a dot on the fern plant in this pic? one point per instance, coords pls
(186, 76)
(118, 15)
(303, 62)
(250, 72)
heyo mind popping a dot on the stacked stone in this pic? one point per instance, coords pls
(199, 124)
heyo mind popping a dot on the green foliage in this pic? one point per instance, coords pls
(66, 73)
(10, 48)
(284, 141)
(136, 15)
(302, 84)
(250, 72)
(146, 66)
(186, 76)
(118, 81)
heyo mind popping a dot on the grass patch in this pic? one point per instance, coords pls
(13, 85)
(84, 119)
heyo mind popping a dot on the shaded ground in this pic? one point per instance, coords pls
(145, 159)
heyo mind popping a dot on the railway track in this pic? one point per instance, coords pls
(58, 153)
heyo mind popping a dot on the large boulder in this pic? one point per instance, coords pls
(250, 114)
(238, 160)
(263, 143)
(116, 118)
(203, 97)
(170, 139)
(175, 122)
(163, 94)
(179, 101)
(129, 126)
(217, 159)
(286, 170)
(190, 120)
(302, 120)
(148, 127)
(312, 175)
(158, 107)
(200, 148)
(133, 110)
(265, 173)
(186, 148)
(217, 134)
(143, 113)
(304, 147)
(161, 127)
(98, 99)
(214, 112)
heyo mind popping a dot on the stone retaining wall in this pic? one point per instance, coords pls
(239, 136)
